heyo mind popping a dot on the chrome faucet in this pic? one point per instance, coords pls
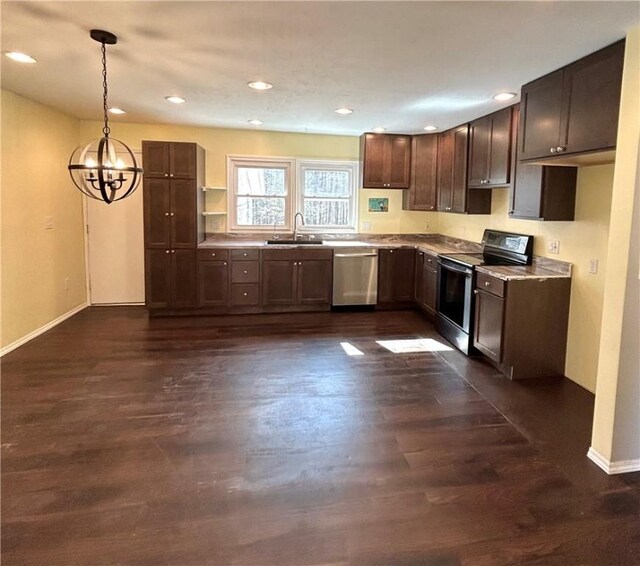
(295, 224)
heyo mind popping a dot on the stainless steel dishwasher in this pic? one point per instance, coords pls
(355, 276)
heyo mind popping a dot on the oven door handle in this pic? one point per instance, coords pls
(456, 269)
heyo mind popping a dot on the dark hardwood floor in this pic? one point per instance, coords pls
(257, 441)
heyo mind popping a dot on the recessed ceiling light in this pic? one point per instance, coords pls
(430, 128)
(343, 111)
(175, 99)
(256, 122)
(259, 85)
(504, 96)
(19, 57)
(115, 110)
(379, 130)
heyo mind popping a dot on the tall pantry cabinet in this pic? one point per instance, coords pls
(174, 174)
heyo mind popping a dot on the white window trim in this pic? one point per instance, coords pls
(294, 168)
(331, 165)
(234, 161)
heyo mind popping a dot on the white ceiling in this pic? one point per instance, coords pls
(401, 65)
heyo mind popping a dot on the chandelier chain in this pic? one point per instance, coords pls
(105, 130)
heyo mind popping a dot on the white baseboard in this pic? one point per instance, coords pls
(118, 304)
(42, 329)
(618, 467)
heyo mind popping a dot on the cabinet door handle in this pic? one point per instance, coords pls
(390, 251)
(487, 284)
(245, 272)
(166, 214)
(166, 174)
(245, 294)
(225, 263)
(173, 251)
(244, 255)
(213, 254)
(172, 214)
(560, 149)
(475, 291)
(166, 251)
(553, 149)
(171, 175)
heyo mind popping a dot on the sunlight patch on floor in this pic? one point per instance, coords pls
(350, 349)
(414, 345)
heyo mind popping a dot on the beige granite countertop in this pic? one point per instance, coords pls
(430, 243)
(542, 268)
(509, 272)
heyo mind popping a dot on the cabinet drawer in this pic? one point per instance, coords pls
(243, 295)
(245, 272)
(245, 255)
(490, 284)
(213, 254)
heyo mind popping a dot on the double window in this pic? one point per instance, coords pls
(266, 193)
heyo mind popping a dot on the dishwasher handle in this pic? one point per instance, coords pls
(355, 255)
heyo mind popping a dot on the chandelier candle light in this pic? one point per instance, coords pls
(106, 169)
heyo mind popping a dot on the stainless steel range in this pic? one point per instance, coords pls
(456, 283)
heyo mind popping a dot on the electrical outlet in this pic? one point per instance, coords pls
(593, 266)
(48, 222)
(427, 227)
(366, 226)
(66, 283)
(554, 247)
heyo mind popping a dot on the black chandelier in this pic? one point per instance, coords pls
(106, 168)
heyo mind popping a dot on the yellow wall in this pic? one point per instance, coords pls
(580, 241)
(36, 144)
(616, 420)
(220, 142)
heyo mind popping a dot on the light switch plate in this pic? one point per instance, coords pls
(554, 247)
(593, 266)
(48, 222)
(366, 225)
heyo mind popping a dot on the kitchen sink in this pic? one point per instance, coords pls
(293, 242)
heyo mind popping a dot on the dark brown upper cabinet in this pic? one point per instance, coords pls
(173, 202)
(542, 192)
(422, 193)
(453, 195)
(385, 161)
(490, 150)
(173, 160)
(570, 116)
(170, 208)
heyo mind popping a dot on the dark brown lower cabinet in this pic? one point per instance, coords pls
(293, 278)
(170, 278)
(426, 280)
(279, 282)
(213, 284)
(521, 324)
(488, 327)
(396, 277)
(315, 281)
(429, 283)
